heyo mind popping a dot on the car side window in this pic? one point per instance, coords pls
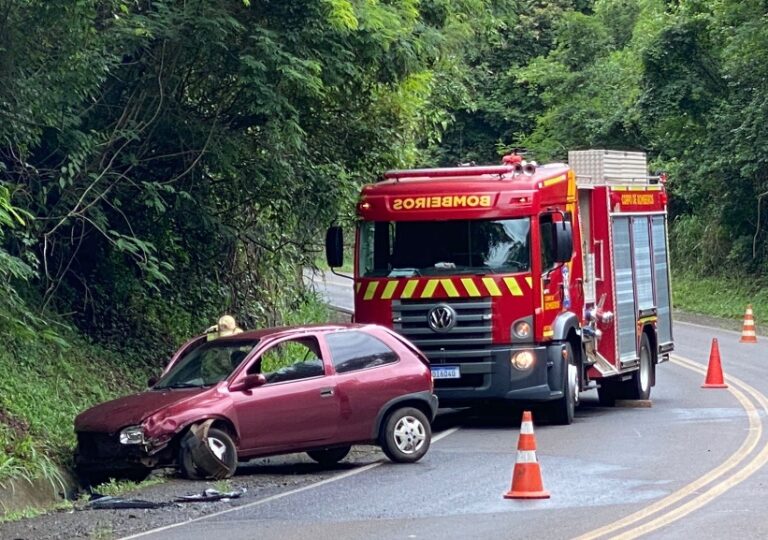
(353, 350)
(290, 360)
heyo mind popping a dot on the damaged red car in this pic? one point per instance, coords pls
(275, 391)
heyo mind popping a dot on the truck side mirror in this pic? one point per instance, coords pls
(563, 240)
(334, 246)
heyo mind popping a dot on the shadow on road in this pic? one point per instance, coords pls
(510, 416)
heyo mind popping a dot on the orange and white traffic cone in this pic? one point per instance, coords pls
(714, 377)
(526, 477)
(748, 333)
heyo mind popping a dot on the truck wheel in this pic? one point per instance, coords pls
(563, 410)
(639, 386)
(222, 446)
(406, 435)
(329, 456)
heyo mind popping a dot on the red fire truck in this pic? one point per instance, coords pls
(521, 282)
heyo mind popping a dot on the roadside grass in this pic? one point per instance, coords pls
(114, 488)
(725, 297)
(44, 386)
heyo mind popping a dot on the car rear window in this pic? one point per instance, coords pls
(353, 350)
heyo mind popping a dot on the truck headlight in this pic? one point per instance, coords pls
(522, 360)
(522, 329)
(132, 435)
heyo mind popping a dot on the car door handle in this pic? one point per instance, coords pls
(326, 392)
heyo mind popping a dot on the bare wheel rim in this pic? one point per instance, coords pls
(218, 447)
(409, 434)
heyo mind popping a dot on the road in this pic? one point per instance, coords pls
(692, 465)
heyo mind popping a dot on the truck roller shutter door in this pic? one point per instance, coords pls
(625, 291)
(643, 268)
(661, 273)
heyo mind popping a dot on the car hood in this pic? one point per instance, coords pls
(112, 416)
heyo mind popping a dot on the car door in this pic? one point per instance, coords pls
(364, 380)
(297, 407)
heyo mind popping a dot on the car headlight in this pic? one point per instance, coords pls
(132, 435)
(522, 360)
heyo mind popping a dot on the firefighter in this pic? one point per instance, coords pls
(227, 326)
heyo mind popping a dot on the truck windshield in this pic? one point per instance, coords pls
(417, 248)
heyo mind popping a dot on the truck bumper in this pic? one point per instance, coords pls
(498, 380)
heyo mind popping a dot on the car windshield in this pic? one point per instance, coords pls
(207, 364)
(417, 248)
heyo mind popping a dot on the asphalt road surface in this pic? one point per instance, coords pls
(690, 466)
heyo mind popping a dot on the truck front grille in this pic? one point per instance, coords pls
(469, 340)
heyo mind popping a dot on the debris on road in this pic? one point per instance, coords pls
(210, 495)
(106, 502)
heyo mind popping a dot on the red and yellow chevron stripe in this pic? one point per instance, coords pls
(452, 287)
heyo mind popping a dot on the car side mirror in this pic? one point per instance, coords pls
(334, 246)
(248, 382)
(152, 381)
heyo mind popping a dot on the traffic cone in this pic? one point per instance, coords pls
(526, 477)
(748, 334)
(714, 370)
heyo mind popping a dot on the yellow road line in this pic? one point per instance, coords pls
(741, 454)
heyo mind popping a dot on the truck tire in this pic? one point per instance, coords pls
(638, 386)
(563, 410)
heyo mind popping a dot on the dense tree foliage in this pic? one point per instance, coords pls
(162, 160)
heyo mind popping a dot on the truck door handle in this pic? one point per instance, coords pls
(326, 392)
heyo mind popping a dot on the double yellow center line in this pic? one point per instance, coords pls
(709, 486)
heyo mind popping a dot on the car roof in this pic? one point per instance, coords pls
(284, 331)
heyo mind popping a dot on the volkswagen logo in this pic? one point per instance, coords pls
(441, 318)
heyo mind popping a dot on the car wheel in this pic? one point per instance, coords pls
(221, 445)
(406, 435)
(329, 456)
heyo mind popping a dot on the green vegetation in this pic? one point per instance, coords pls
(44, 386)
(721, 296)
(164, 162)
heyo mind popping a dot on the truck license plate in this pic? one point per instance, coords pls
(446, 372)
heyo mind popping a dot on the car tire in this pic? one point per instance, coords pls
(406, 435)
(221, 444)
(329, 456)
